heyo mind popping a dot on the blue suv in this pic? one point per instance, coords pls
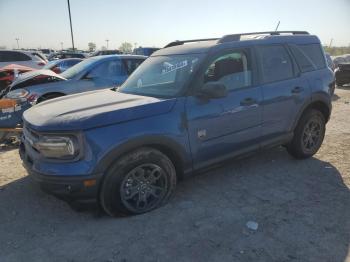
(190, 105)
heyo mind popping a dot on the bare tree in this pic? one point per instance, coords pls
(92, 46)
(126, 48)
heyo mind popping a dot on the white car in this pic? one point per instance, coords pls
(26, 58)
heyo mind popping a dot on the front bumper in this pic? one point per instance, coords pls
(78, 187)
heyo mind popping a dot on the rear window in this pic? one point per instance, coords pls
(10, 56)
(309, 57)
(275, 63)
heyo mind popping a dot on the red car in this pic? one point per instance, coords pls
(10, 72)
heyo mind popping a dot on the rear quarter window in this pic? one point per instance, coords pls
(275, 63)
(9, 56)
(309, 57)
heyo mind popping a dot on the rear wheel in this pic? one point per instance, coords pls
(308, 135)
(137, 183)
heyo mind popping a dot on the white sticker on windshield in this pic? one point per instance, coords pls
(170, 68)
(139, 83)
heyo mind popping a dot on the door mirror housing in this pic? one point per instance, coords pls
(213, 90)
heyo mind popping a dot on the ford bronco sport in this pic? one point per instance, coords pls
(190, 105)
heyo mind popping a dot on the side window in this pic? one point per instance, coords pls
(108, 70)
(309, 57)
(275, 63)
(232, 69)
(132, 64)
(9, 56)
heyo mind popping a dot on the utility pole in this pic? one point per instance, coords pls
(278, 24)
(17, 39)
(71, 28)
(107, 40)
(330, 43)
(61, 45)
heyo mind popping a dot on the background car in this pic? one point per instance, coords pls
(93, 73)
(32, 59)
(61, 65)
(146, 51)
(342, 74)
(106, 52)
(64, 55)
(47, 52)
(9, 73)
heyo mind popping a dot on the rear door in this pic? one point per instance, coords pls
(223, 127)
(284, 91)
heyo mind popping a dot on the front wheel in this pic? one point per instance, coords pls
(308, 135)
(137, 183)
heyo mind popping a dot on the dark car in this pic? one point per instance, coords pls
(61, 65)
(189, 106)
(342, 74)
(106, 52)
(64, 55)
(146, 51)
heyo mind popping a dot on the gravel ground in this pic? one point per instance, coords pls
(301, 207)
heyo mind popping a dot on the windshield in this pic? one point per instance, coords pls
(78, 68)
(161, 76)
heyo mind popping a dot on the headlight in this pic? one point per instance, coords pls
(18, 93)
(60, 147)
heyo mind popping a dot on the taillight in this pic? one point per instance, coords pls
(41, 63)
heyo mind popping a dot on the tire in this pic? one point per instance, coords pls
(308, 135)
(3, 136)
(143, 176)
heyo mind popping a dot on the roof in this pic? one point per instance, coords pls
(236, 40)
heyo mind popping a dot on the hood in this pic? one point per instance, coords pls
(93, 109)
(20, 68)
(39, 75)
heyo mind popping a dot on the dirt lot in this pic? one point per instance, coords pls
(301, 207)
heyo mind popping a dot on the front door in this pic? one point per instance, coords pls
(220, 128)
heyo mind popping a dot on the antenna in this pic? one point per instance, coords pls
(278, 24)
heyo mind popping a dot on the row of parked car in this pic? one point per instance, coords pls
(188, 106)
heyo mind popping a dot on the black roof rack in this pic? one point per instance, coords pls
(178, 42)
(237, 37)
(234, 37)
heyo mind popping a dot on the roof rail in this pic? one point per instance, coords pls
(237, 37)
(181, 42)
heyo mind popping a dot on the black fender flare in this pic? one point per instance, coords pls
(175, 151)
(316, 101)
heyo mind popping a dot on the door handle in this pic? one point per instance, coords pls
(297, 90)
(248, 102)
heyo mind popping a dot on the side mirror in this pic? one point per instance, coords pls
(213, 90)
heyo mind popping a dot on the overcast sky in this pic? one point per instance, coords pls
(45, 23)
